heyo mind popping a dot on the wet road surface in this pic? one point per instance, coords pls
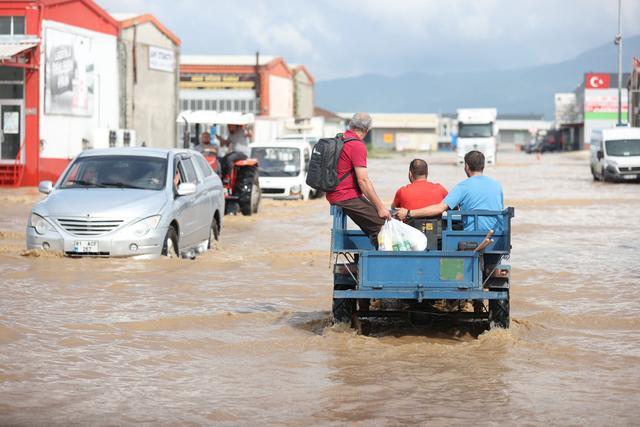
(241, 335)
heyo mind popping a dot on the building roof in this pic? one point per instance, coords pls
(321, 112)
(128, 20)
(299, 68)
(240, 60)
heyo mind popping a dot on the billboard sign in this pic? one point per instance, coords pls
(218, 81)
(162, 59)
(602, 104)
(69, 74)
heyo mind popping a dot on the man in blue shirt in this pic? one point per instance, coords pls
(477, 192)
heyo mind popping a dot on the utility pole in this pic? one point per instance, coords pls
(618, 42)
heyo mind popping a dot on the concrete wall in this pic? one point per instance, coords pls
(280, 96)
(404, 139)
(303, 96)
(149, 96)
(63, 134)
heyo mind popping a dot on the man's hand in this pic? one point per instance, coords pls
(401, 213)
(384, 213)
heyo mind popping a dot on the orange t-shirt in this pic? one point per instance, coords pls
(419, 194)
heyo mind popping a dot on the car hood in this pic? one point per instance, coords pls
(102, 202)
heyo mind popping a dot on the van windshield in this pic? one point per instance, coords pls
(277, 161)
(466, 130)
(623, 147)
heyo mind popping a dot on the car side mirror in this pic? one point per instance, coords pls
(599, 154)
(45, 187)
(186, 189)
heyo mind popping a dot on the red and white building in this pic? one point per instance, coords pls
(58, 84)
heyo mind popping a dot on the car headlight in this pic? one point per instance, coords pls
(40, 224)
(142, 227)
(296, 188)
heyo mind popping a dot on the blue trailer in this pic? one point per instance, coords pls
(463, 274)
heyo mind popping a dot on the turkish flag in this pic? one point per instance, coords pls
(597, 81)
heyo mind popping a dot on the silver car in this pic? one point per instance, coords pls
(140, 202)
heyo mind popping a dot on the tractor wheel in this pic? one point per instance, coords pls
(342, 310)
(499, 313)
(248, 188)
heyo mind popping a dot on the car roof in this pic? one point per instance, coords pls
(134, 151)
(621, 133)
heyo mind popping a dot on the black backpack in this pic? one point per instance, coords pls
(323, 165)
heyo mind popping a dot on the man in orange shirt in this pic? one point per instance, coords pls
(420, 192)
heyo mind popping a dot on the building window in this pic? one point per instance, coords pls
(199, 104)
(243, 106)
(227, 105)
(214, 104)
(207, 104)
(184, 104)
(10, 25)
(251, 106)
(236, 105)
(192, 104)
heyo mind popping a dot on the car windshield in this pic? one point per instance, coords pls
(137, 172)
(277, 161)
(483, 130)
(623, 147)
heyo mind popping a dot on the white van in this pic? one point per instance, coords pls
(615, 154)
(283, 168)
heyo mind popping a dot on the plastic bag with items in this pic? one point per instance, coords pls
(398, 236)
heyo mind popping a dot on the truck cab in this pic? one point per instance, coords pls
(283, 168)
(477, 130)
(615, 154)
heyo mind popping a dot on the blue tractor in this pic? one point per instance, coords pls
(462, 275)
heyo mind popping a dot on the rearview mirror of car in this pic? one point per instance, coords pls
(186, 189)
(45, 187)
(599, 155)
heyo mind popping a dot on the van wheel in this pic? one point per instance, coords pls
(170, 248)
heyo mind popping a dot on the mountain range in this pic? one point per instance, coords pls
(521, 90)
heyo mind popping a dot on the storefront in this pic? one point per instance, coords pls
(58, 84)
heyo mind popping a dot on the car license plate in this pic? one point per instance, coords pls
(85, 246)
(630, 176)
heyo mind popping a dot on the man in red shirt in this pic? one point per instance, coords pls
(355, 193)
(420, 192)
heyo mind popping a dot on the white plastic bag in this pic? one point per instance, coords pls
(398, 236)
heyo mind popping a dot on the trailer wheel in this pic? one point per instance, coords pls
(342, 310)
(499, 313)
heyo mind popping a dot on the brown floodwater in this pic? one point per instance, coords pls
(241, 335)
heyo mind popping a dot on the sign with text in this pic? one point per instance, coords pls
(162, 59)
(217, 81)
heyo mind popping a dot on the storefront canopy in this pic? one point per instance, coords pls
(11, 47)
(215, 118)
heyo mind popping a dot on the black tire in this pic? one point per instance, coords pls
(342, 310)
(214, 234)
(499, 316)
(170, 246)
(248, 190)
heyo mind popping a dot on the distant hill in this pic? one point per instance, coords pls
(524, 90)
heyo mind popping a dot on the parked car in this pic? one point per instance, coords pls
(140, 202)
(283, 168)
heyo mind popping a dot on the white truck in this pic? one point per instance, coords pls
(477, 130)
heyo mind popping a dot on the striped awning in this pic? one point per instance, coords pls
(10, 48)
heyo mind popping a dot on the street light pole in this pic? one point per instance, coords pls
(618, 41)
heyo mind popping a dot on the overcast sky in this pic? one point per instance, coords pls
(340, 38)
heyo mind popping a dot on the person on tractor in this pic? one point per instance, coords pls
(205, 143)
(237, 144)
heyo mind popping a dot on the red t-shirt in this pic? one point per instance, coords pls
(354, 154)
(419, 194)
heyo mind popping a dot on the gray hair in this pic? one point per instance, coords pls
(361, 121)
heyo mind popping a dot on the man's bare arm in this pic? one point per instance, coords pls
(366, 186)
(431, 210)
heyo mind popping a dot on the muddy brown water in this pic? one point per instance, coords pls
(242, 335)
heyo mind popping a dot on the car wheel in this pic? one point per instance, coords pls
(214, 234)
(170, 247)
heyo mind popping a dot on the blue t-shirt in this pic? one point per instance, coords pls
(477, 193)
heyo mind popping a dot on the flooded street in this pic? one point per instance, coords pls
(241, 335)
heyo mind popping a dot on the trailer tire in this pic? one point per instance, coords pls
(342, 310)
(499, 313)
